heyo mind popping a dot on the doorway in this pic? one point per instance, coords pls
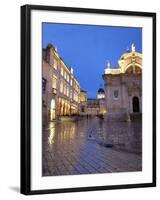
(135, 102)
(52, 110)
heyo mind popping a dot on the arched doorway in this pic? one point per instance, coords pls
(135, 103)
(52, 110)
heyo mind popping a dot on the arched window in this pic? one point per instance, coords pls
(115, 95)
(133, 70)
(135, 103)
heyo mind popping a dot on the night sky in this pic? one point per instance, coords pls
(88, 48)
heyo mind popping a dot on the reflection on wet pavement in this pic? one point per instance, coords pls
(91, 146)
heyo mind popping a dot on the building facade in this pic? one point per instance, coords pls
(97, 106)
(101, 93)
(83, 103)
(93, 107)
(61, 89)
(124, 86)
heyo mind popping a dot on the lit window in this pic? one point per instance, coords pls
(71, 81)
(54, 82)
(55, 64)
(67, 77)
(62, 71)
(61, 87)
(65, 90)
(68, 91)
(65, 74)
(71, 94)
(75, 96)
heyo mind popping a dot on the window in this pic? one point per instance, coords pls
(82, 109)
(65, 90)
(71, 81)
(62, 71)
(61, 87)
(65, 74)
(54, 82)
(116, 94)
(55, 64)
(71, 94)
(75, 96)
(67, 77)
(44, 82)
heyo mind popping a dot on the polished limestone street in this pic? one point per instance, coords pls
(91, 145)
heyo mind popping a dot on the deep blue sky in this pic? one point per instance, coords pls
(87, 48)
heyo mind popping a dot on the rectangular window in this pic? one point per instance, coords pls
(70, 94)
(115, 95)
(44, 82)
(61, 71)
(65, 74)
(67, 91)
(54, 82)
(75, 96)
(82, 109)
(68, 77)
(71, 81)
(61, 87)
(55, 64)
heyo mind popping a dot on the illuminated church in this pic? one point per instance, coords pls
(93, 106)
(101, 93)
(124, 87)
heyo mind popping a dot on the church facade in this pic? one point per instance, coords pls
(123, 86)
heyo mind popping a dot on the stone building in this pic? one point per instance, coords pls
(97, 106)
(47, 94)
(124, 87)
(83, 103)
(93, 107)
(101, 93)
(61, 89)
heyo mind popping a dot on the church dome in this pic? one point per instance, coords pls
(130, 58)
(101, 90)
(101, 93)
(129, 63)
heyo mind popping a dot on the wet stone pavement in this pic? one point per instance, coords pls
(91, 146)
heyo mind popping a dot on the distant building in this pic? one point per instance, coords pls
(124, 86)
(97, 106)
(61, 89)
(83, 102)
(93, 107)
(101, 93)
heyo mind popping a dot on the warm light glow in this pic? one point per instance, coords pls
(53, 104)
(101, 96)
(52, 110)
(51, 138)
(54, 82)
